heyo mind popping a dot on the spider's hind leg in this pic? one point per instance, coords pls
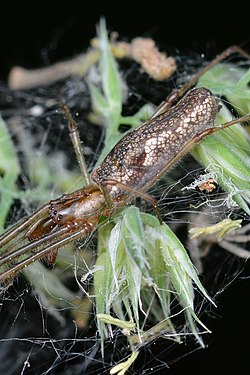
(179, 92)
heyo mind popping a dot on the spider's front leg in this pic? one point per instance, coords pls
(199, 136)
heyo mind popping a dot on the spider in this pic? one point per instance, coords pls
(134, 165)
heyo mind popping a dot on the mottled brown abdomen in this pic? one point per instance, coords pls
(144, 153)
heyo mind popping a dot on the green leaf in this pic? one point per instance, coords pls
(227, 153)
(9, 171)
(103, 280)
(111, 81)
(231, 81)
(98, 101)
(174, 253)
(133, 236)
(113, 246)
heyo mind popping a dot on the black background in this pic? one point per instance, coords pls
(37, 33)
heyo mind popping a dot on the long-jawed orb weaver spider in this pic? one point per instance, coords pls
(134, 165)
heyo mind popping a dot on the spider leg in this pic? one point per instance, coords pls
(209, 131)
(76, 141)
(178, 93)
(36, 250)
(21, 227)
